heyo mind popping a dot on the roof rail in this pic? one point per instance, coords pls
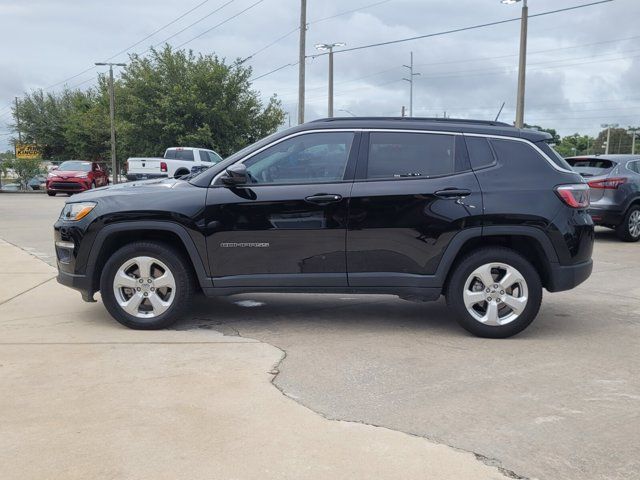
(416, 119)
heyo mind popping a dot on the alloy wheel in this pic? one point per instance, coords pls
(634, 224)
(495, 294)
(144, 287)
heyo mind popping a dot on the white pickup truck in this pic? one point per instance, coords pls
(177, 161)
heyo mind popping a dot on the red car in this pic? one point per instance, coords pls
(75, 176)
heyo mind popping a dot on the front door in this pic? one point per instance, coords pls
(287, 225)
(413, 192)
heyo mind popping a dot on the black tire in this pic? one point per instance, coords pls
(176, 263)
(463, 270)
(51, 193)
(623, 231)
(180, 173)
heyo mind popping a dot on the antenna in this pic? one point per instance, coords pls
(499, 112)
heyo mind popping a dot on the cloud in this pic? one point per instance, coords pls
(581, 70)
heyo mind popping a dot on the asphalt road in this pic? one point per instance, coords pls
(559, 401)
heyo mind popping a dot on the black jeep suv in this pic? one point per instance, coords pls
(481, 212)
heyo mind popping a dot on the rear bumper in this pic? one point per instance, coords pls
(132, 177)
(563, 278)
(606, 216)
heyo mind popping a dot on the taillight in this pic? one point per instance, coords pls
(608, 183)
(575, 196)
(163, 166)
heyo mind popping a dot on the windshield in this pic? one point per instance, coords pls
(75, 166)
(591, 167)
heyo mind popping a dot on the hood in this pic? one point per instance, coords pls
(130, 188)
(67, 173)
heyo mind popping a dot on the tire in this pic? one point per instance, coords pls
(629, 229)
(495, 319)
(180, 173)
(51, 193)
(129, 261)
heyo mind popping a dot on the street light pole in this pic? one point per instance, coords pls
(522, 63)
(410, 80)
(112, 117)
(330, 47)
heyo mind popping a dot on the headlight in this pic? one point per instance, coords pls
(51, 175)
(82, 175)
(76, 211)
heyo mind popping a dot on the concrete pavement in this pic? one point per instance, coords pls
(85, 398)
(561, 401)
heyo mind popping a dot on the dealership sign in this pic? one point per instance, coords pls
(27, 150)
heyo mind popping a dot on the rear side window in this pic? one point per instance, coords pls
(634, 167)
(480, 152)
(408, 155)
(553, 155)
(178, 154)
(513, 150)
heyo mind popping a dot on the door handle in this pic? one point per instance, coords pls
(324, 198)
(453, 193)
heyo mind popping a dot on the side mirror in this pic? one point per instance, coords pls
(235, 175)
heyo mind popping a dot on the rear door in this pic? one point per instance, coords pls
(413, 192)
(288, 226)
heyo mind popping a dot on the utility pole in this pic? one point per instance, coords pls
(608, 126)
(18, 122)
(410, 80)
(330, 47)
(633, 132)
(301, 59)
(522, 63)
(112, 116)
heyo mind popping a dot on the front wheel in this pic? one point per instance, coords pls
(51, 193)
(494, 292)
(629, 229)
(146, 285)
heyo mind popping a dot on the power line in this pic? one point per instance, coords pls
(457, 30)
(192, 24)
(274, 71)
(255, 4)
(128, 48)
(279, 39)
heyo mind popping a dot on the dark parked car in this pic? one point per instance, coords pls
(481, 212)
(75, 176)
(615, 191)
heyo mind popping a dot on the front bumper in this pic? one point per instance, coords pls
(563, 278)
(82, 283)
(68, 185)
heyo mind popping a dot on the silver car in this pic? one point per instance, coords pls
(615, 191)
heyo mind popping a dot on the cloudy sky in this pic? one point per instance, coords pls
(583, 65)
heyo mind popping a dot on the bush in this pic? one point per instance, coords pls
(25, 168)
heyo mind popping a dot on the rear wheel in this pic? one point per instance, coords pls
(146, 285)
(494, 292)
(629, 229)
(180, 173)
(51, 193)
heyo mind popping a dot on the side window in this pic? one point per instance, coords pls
(634, 167)
(309, 158)
(480, 152)
(203, 156)
(406, 155)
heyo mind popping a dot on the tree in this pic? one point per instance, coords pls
(25, 168)
(173, 98)
(620, 141)
(576, 144)
(551, 131)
